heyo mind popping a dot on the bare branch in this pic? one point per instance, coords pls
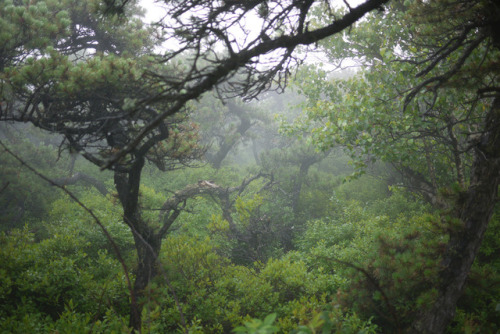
(170, 209)
(439, 80)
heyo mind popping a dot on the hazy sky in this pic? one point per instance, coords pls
(153, 10)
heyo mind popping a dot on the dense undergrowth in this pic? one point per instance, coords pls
(365, 262)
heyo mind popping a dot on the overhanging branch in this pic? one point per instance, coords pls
(205, 80)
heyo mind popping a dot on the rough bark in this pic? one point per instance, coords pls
(171, 208)
(474, 208)
(430, 166)
(299, 181)
(148, 246)
(456, 152)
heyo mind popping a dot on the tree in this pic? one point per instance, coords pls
(427, 101)
(473, 36)
(69, 69)
(294, 154)
(198, 27)
(224, 126)
(80, 81)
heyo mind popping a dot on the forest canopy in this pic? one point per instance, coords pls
(203, 174)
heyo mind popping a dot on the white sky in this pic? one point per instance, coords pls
(154, 12)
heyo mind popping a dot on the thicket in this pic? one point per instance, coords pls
(365, 261)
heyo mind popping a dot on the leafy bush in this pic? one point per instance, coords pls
(392, 272)
(67, 218)
(41, 280)
(219, 295)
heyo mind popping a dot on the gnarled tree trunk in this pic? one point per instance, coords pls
(474, 208)
(233, 138)
(147, 244)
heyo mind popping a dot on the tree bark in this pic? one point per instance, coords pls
(474, 208)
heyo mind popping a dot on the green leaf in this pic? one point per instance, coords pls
(270, 319)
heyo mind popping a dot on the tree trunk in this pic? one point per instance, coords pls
(148, 247)
(255, 152)
(474, 208)
(147, 243)
(230, 140)
(217, 158)
(297, 187)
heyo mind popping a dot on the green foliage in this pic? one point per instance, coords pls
(19, 22)
(369, 114)
(246, 208)
(351, 219)
(360, 121)
(316, 195)
(210, 288)
(68, 218)
(364, 189)
(381, 267)
(365, 254)
(333, 321)
(70, 321)
(49, 284)
(24, 196)
(394, 276)
(221, 295)
(257, 233)
(256, 326)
